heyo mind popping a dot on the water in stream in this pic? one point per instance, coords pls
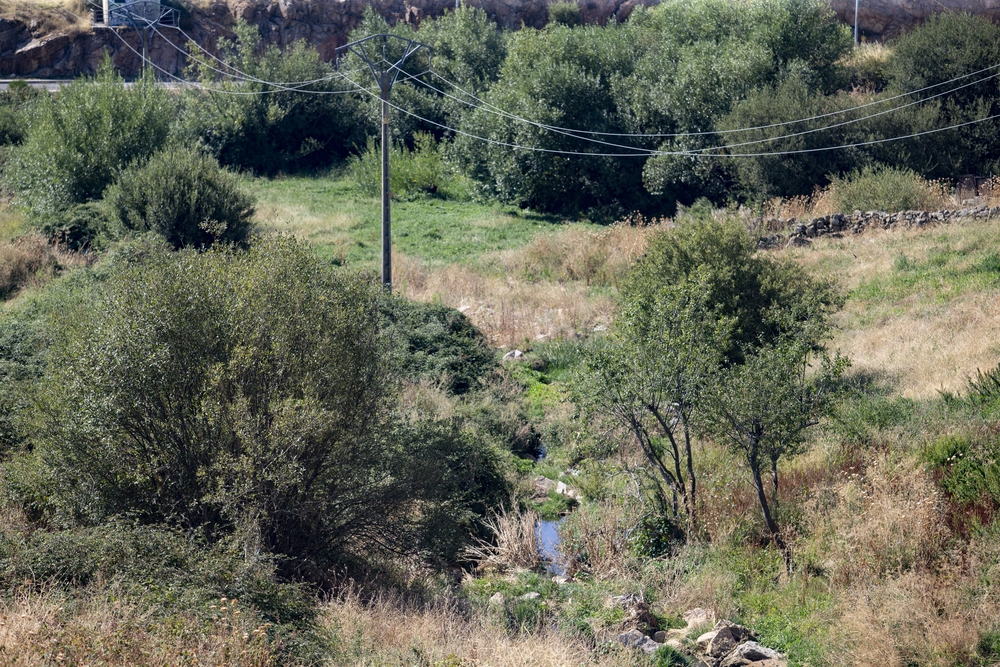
(547, 536)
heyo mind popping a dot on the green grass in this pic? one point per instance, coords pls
(345, 225)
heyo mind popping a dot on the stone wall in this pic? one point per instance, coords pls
(793, 232)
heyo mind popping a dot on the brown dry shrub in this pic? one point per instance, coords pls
(918, 618)
(514, 544)
(595, 538)
(891, 519)
(28, 262)
(389, 631)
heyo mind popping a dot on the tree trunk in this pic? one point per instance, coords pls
(693, 484)
(772, 526)
(774, 483)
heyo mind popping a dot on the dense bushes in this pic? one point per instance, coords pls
(682, 101)
(248, 396)
(80, 141)
(883, 188)
(183, 195)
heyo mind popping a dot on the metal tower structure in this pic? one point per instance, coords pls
(144, 16)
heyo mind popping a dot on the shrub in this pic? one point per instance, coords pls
(185, 196)
(565, 13)
(248, 395)
(78, 227)
(279, 131)
(767, 299)
(438, 344)
(80, 141)
(882, 188)
(412, 173)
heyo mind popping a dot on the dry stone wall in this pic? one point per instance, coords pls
(801, 232)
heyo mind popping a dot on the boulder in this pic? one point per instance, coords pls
(497, 600)
(727, 637)
(533, 595)
(698, 616)
(513, 355)
(638, 640)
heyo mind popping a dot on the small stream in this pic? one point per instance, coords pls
(547, 536)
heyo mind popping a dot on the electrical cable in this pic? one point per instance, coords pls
(359, 88)
(698, 155)
(575, 133)
(742, 129)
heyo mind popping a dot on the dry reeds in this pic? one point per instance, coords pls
(31, 261)
(514, 544)
(388, 631)
(39, 627)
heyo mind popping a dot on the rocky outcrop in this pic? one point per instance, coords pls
(801, 232)
(725, 645)
(885, 19)
(29, 51)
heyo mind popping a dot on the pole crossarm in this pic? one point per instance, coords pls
(386, 79)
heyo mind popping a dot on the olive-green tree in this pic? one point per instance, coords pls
(249, 396)
(647, 380)
(762, 408)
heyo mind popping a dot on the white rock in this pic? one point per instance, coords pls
(497, 599)
(533, 595)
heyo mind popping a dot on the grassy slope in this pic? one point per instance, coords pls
(886, 578)
(346, 225)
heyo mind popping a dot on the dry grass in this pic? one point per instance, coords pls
(514, 545)
(824, 201)
(388, 631)
(557, 286)
(928, 329)
(47, 628)
(48, 16)
(887, 521)
(915, 619)
(319, 229)
(509, 311)
(30, 261)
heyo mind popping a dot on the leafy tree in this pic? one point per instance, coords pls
(80, 141)
(249, 396)
(767, 299)
(182, 194)
(251, 125)
(761, 409)
(648, 379)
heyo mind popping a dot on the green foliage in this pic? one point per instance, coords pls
(656, 537)
(413, 173)
(15, 107)
(82, 139)
(667, 656)
(967, 469)
(247, 395)
(79, 227)
(861, 413)
(183, 195)
(565, 13)
(554, 506)
(178, 571)
(984, 388)
(437, 344)
(765, 298)
(881, 188)
(275, 132)
(947, 46)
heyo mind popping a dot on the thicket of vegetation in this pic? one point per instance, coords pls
(223, 442)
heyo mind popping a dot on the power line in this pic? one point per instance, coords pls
(575, 133)
(359, 88)
(702, 155)
(742, 129)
